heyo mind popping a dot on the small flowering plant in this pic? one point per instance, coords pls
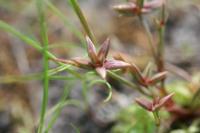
(155, 105)
(98, 61)
(149, 83)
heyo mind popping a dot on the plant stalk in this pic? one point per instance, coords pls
(83, 20)
(44, 36)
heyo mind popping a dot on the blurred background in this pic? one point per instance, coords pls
(21, 92)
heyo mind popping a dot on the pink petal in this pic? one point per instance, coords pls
(157, 78)
(91, 50)
(101, 71)
(115, 64)
(146, 104)
(103, 52)
(164, 100)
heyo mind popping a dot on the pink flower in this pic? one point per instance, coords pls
(97, 60)
(144, 79)
(154, 105)
(132, 8)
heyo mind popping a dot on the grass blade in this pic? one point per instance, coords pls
(6, 27)
(83, 20)
(44, 36)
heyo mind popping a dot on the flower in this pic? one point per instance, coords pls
(154, 105)
(97, 60)
(147, 81)
(143, 78)
(133, 8)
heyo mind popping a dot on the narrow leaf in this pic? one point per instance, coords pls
(115, 64)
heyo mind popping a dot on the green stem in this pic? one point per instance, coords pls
(43, 27)
(160, 54)
(161, 44)
(156, 116)
(157, 54)
(10, 29)
(107, 84)
(161, 31)
(82, 19)
(61, 78)
(195, 99)
(35, 76)
(126, 82)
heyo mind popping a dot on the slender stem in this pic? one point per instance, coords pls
(82, 19)
(37, 76)
(43, 27)
(108, 86)
(149, 37)
(161, 31)
(156, 117)
(6, 27)
(84, 91)
(122, 80)
(35, 44)
(157, 54)
(161, 44)
(61, 78)
(195, 99)
(160, 64)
